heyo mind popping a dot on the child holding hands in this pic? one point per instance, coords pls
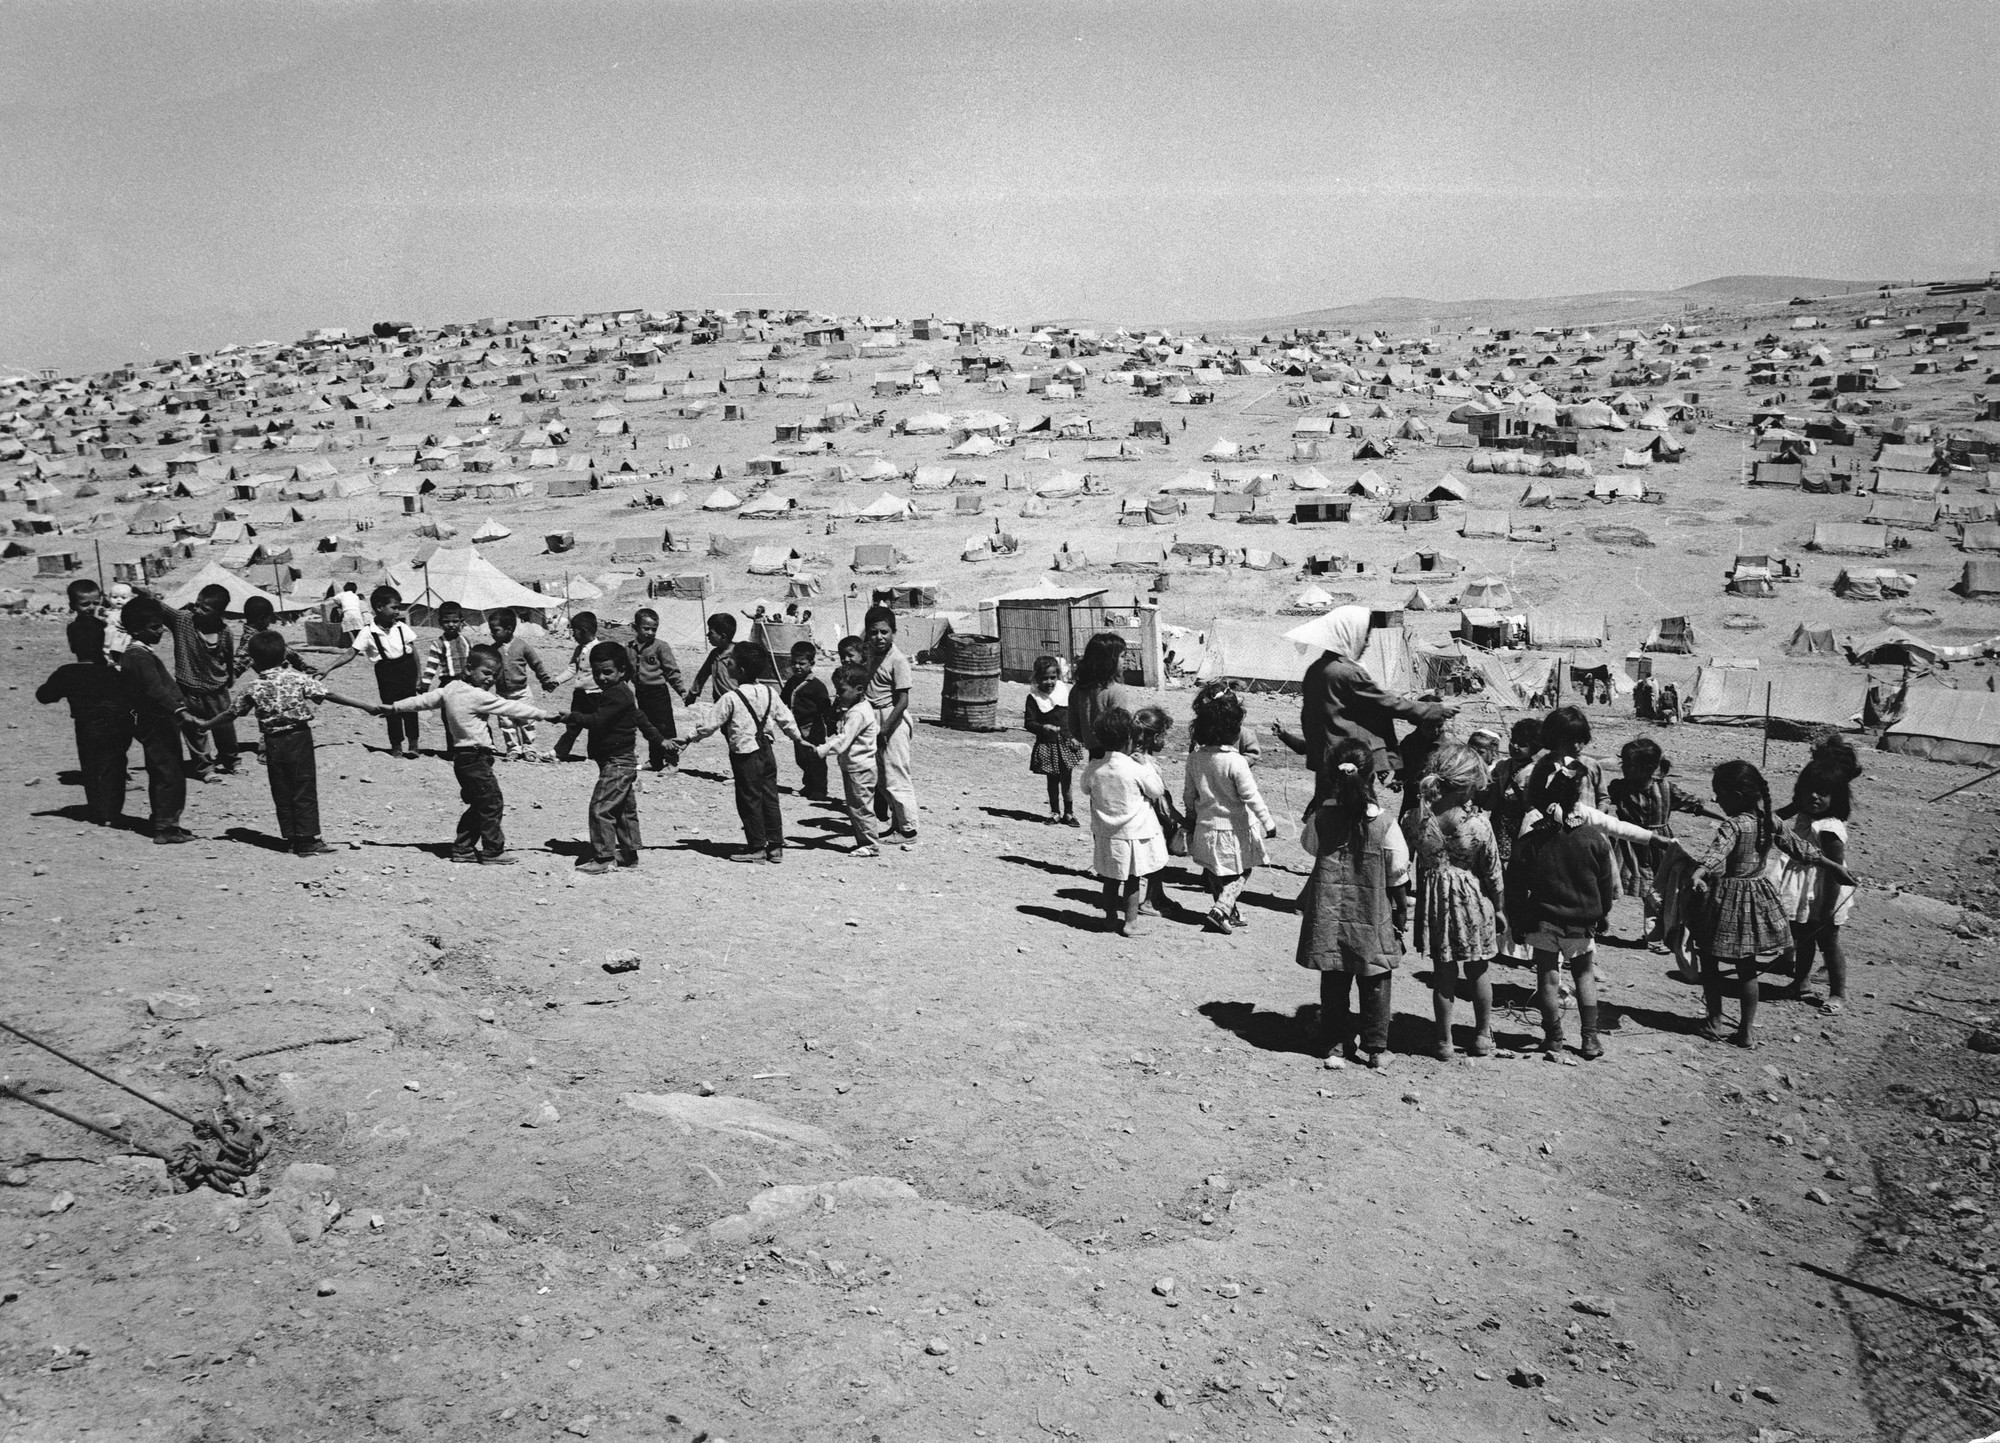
(856, 731)
(1226, 814)
(1459, 893)
(1129, 843)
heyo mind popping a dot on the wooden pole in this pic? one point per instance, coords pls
(99, 547)
(1766, 760)
(1962, 786)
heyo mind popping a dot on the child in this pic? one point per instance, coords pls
(467, 704)
(583, 700)
(1129, 844)
(1054, 755)
(852, 651)
(283, 700)
(1645, 797)
(854, 743)
(1459, 893)
(204, 666)
(86, 598)
(812, 709)
(391, 644)
(656, 682)
(1559, 889)
(889, 694)
(710, 679)
(1821, 800)
(518, 658)
(747, 716)
(444, 659)
(100, 710)
(1743, 924)
(612, 721)
(1150, 725)
(260, 616)
(1667, 710)
(1226, 814)
(347, 614)
(159, 711)
(1354, 905)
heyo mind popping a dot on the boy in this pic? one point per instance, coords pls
(283, 700)
(466, 704)
(518, 658)
(656, 681)
(445, 660)
(101, 712)
(583, 700)
(158, 713)
(721, 632)
(852, 651)
(391, 643)
(612, 724)
(889, 694)
(347, 613)
(811, 708)
(258, 618)
(746, 716)
(204, 666)
(855, 745)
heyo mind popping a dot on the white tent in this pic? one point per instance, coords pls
(721, 499)
(887, 508)
(1190, 483)
(491, 531)
(240, 590)
(1222, 450)
(462, 575)
(975, 446)
(926, 423)
(1310, 479)
(1063, 483)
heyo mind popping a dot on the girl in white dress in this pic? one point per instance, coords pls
(1227, 818)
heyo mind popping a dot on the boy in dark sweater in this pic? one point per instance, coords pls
(204, 666)
(656, 680)
(158, 713)
(101, 711)
(1560, 885)
(812, 709)
(612, 724)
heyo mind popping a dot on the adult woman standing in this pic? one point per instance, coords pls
(1342, 700)
(1097, 689)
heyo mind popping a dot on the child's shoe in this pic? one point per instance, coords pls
(1236, 919)
(1071, 821)
(1375, 1061)
(1482, 1045)
(1215, 921)
(1713, 1030)
(499, 859)
(593, 868)
(314, 848)
(466, 857)
(866, 852)
(628, 859)
(775, 856)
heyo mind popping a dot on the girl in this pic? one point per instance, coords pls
(1742, 922)
(1121, 791)
(1560, 888)
(1097, 689)
(1458, 893)
(1818, 908)
(1224, 808)
(1150, 725)
(1054, 755)
(1354, 904)
(1645, 797)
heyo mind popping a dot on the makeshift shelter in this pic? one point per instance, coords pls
(1892, 646)
(1673, 634)
(1813, 701)
(1448, 488)
(463, 575)
(1190, 483)
(239, 590)
(1310, 479)
(1872, 584)
(1369, 484)
(1982, 536)
(1943, 725)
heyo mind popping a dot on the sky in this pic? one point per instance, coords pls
(180, 174)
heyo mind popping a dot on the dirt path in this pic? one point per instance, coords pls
(1046, 1123)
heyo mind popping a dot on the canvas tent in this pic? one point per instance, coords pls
(1673, 634)
(1850, 538)
(462, 575)
(1492, 524)
(1981, 536)
(1567, 630)
(1810, 640)
(1981, 577)
(1488, 591)
(1948, 726)
(1428, 563)
(240, 590)
(1726, 696)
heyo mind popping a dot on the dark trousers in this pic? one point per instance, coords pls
(166, 783)
(812, 773)
(479, 827)
(579, 701)
(208, 748)
(756, 775)
(100, 756)
(1338, 1020)
(614, 809)
(294, 774)
(395, 680)
(657, 702)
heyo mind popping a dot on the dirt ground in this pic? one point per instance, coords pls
(907, 1149)
(491, 1241)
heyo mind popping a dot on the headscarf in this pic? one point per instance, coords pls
(1342, 631)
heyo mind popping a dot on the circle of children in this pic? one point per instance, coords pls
(1483, 857)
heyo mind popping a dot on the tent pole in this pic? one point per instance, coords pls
(99, 547)
(1765, 761)
(1987, 777)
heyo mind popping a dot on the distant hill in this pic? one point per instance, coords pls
(1592, 308)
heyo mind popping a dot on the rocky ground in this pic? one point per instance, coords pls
(908, 1149)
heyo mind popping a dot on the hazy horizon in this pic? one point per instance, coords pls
(186, 175)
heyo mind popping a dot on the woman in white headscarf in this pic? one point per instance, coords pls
(1342, 700)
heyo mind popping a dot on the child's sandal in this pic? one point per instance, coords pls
(1713, 1030)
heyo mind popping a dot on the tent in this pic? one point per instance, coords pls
(1892, 646)
(491, 531)
(766, 508)
(933, 478)
(1909, 512)
(887, 508)
(1537, 495)
(1487, 591)
(1486, 523)
(1421, 600)
(1310, 480)
(1809, 640)
(875, 557)
(1620, 488)
(240, 590)
(773, 561)
(1872, 583)
(462, 575)
(1671, 634)
(1727, 696)
(1634, 460)
(1428, 563)
(1448, 488)
(925, 423)
(1948, 726)
(1907, 483)
(1244, 652)
(1063, 483)
(1190, 483)
(1981, 577)
(1371, 485)
(1567, 630)
(721, 499)
(1850, 538)
(1982, 536)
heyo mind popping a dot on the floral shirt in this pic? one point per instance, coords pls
(282, 698)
